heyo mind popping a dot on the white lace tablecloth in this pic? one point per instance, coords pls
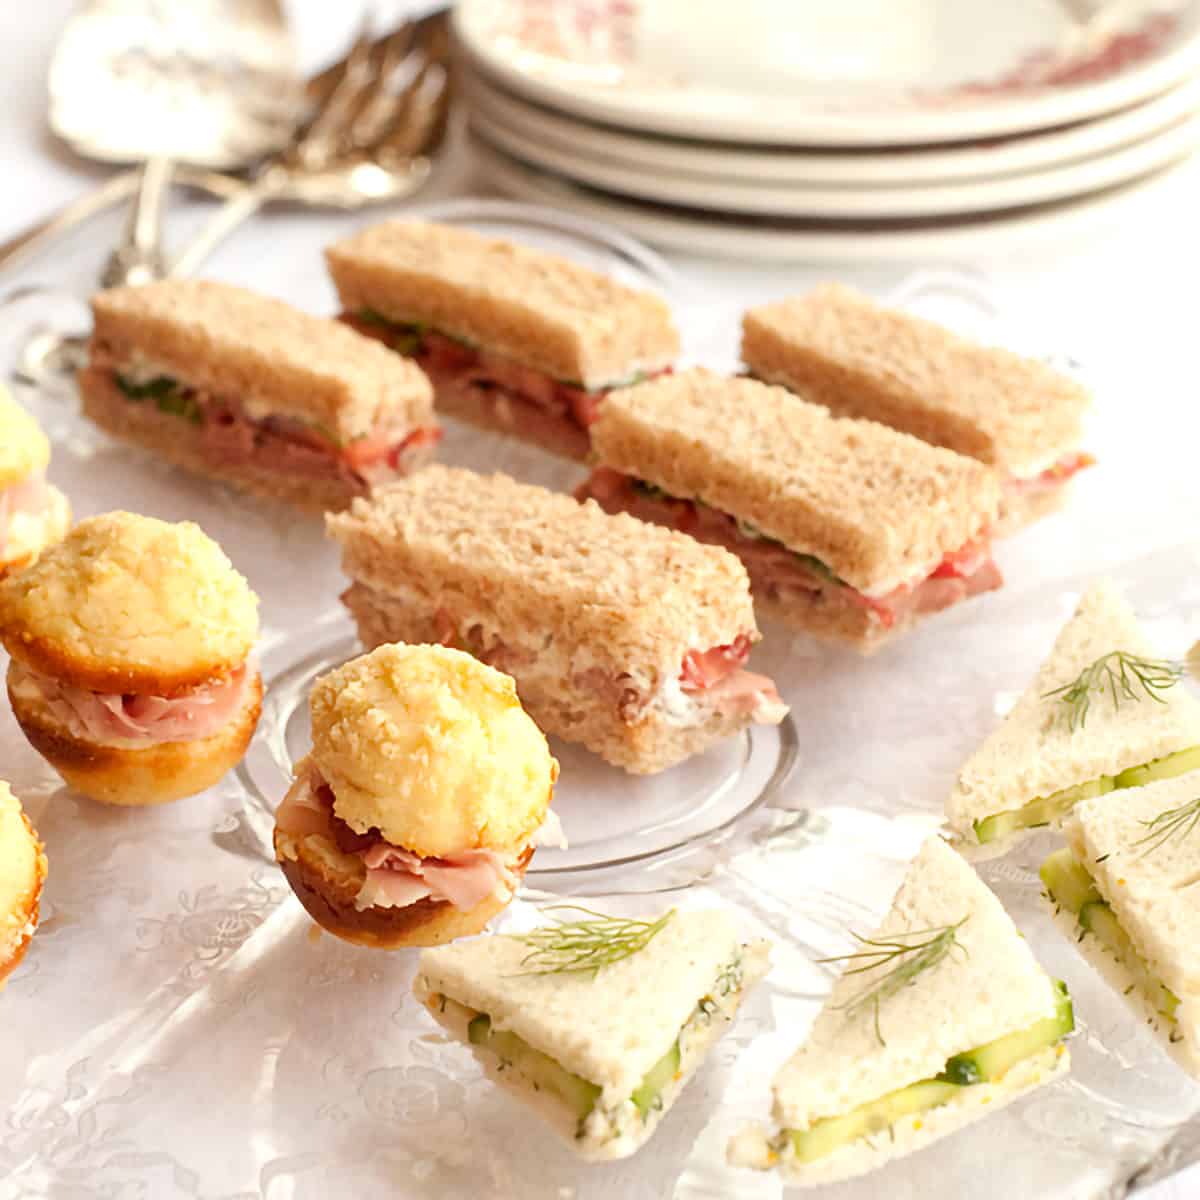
(1123, 302)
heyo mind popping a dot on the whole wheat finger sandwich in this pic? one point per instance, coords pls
(427, 790)
(249, 390)
(628, 638)
(514, 339)
(22, 873)
(849, 530)
(130, 642)
(597, 1022)
(837, 348)
(33, 514)
(939, 1018)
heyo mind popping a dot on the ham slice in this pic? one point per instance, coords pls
(1060, 473)
(513, 383)
(781, 573)
(229, 436)
(465, 880)
(147, 720)
(28, 498)
(395, 877)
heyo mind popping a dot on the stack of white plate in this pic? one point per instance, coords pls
(804, 128)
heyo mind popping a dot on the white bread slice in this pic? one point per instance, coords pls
(989, 987)
(572, 323)
(751, 1148)
(273, 358)
(878, 507)
(1181, 1041)
(1034, 752)
(837, 348)
(609, 1029)
(1149, 881)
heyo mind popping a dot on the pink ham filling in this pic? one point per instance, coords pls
(29, 497)
(231, 438)
(717, 673)
(1053, 477)
(396, 878)
(228, 436)
(780, 573)
(444, 358)
(105, 717)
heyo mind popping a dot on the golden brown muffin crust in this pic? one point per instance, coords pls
(129, 604)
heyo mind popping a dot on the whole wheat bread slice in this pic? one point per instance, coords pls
(570, 322)
(876, 506)
(837, 348)
(274, 359)
(175, 440)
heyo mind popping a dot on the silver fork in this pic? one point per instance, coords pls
(362, 145)
(366, 142)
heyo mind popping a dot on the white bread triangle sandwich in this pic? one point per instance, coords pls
(837, 348)
(1124, 892)
(622, 636)
(939, 1018)
(246, 389)
(848, 529)
(1105, 711)
(514, 339)
(600, 1054)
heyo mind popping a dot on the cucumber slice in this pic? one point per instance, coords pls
(540, 1069)
(1040, 811)
(657, 1078)
(1068, 881)
(1098, 919)
(829, 1134)
(1167, 767)
(992, 1061)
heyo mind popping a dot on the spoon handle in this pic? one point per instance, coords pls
(229, 216)
(30, 241)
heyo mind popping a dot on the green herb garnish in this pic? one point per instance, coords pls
(651, 489)
(159, 388)
(817, 567)
(905, 959)
(1121, 675)
(586, 946)
(1173, 823)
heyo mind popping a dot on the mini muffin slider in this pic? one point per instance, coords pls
(130, 642)
(428, 787)
(32, 513)
(22, 872)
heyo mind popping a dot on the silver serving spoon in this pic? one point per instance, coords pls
(212, 84)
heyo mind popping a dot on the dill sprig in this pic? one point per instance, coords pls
(1121, 675)
(586, 946)
(1173, 823)
(905, 958)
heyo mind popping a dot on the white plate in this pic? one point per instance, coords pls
(542, 127)
(859, 72)
(759, 239)
(838, 202)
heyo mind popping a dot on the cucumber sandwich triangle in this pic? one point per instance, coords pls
(939, 1018)
(1106, 711)
(1124, 890)
(596, 1022)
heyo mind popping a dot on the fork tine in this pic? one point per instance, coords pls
(317, 142)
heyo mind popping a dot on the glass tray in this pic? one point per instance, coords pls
(179, 1029)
